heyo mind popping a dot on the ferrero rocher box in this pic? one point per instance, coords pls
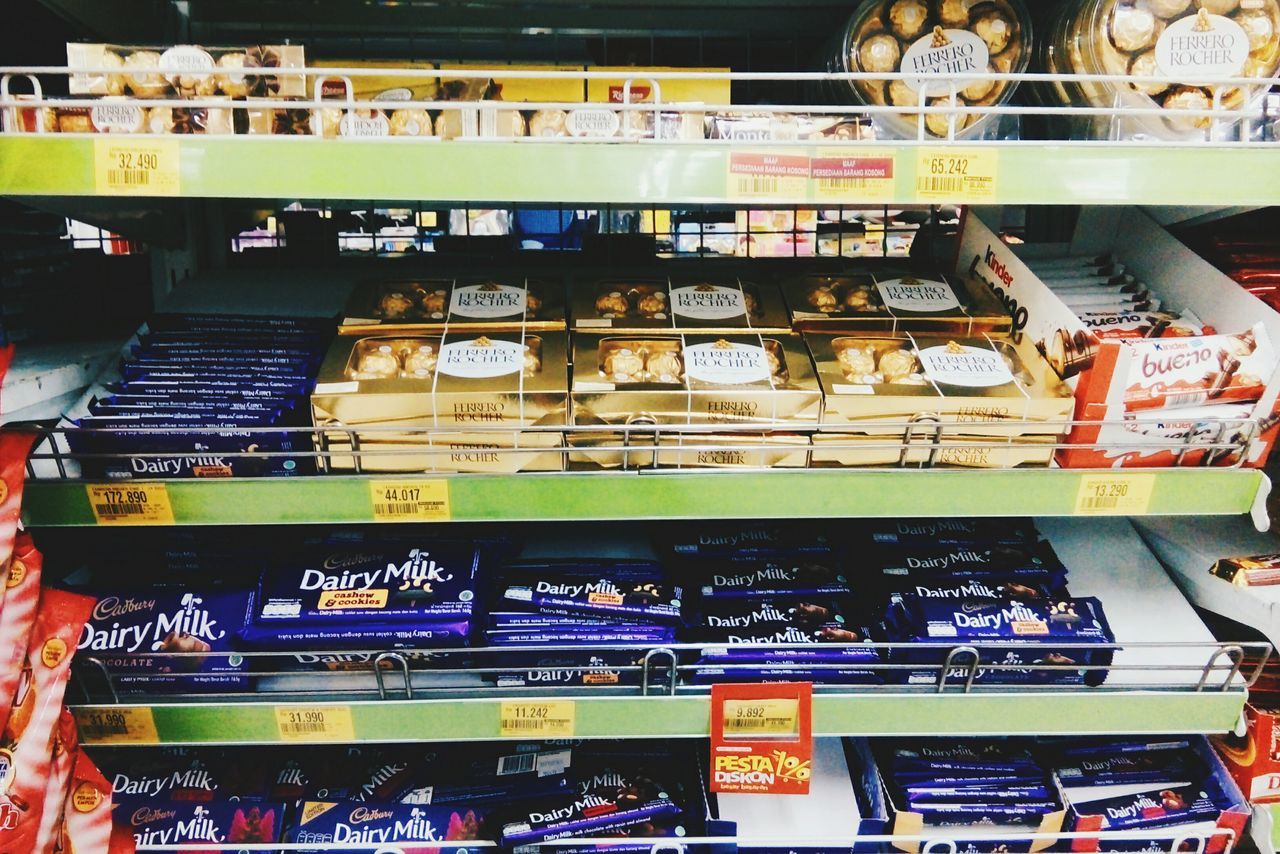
(673, 449)
(724, 303)
(694, 378)
(200, 71)
(894, 303)
(993, 386)
(412, 402)
(646, 87)
(413, 304)
(927, 450)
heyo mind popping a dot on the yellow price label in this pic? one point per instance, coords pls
(771, 176)
(1114, 494)
(772, 716)
(315, 723)
(135, 167)
(130, 504)
(868, 175)
(132, 725)
(410, 500)
(537, 719)
(957, 175)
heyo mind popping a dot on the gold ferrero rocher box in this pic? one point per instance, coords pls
(721, 303)
(992, 386)
(738, 379)
(864, 449)
(413, 402)
(411, 304)
(894, 303)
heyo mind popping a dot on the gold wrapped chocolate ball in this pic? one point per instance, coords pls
(994, 27)
(665, 367)
(434, 303)
(421, 361)
(823, 299)
(750, 302)
(532, 364)
(532, 304)
(859, 298)
(548, 123)
(774, 363)
(115, 81)
(897, 364)
(654, 304)
(908, 379)
(1144, 65)
(228, 81)
(1260, 28)
(624, 365)
(954, 14)
(908, 18)
(1133, 28)
(1189, 98)
(1218, 7)
(612, 304)
(395, 305)
(160, 120)
(141, 77)
(857, 361)
(879, 54)
(902, 95)
(1169, 8)
(979, 90)
(378, 364)
(80, 122)
(410, 122)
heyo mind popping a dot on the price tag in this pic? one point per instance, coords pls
(767, 716)
(867, 176)
(125, 167)
(410, 500)
(957, 175)
(756, 175)
(130, 504)
(544, 718)
(1114, 494)
(117, 726)
(315, 723)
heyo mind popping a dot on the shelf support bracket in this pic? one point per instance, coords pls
(1258, 512)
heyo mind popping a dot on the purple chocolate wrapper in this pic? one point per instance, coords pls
(654, 602)
(155, 822)
(206, 387)
(966, 561)
(926, 794)
(585, 637)
(958, 814)
(360, 636)
(525, 620)
(1158, 807)
(764, 577)
(947, 531)
(765, 673)
(586, 814)
(385, 584)
(1160, 766)
(754, 540)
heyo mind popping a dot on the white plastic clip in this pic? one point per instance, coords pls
(1258, 511)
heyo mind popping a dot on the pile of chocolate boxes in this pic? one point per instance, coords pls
(752, 603)
(987, 795)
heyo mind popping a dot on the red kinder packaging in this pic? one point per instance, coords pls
(1192, 371)
(66, 742)
(87, 814)
(28, 736)
(22, 596)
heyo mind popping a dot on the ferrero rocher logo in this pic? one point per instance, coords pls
(724, 344)
(482, 341)
(1203, 24)
(954, 348)
(939, 38)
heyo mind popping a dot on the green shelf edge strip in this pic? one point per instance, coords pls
(1051, 713)
(657, 173)
(813, 493)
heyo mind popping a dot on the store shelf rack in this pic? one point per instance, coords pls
(660, 171)
(657, 495)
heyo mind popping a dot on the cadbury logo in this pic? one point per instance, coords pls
(363, 814)
(114, 606)
(146, 815)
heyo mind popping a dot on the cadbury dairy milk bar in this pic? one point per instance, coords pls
(601, 636)
(821, 675)
(947, 531)
(985, 794)
(384, 584)
(967, 561)
(135, 632)
(1158, 807)
(532, 620)
(606, 801)
(649, 601)
(757, 577)
(748, 540)
(1131, 768)
(158, 822)
(238, 323)
(810, 631)
(975, 588)
(376, 824)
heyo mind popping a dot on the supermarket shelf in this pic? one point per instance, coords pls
(1045, 713)
(281, 168)
(799, 494)
(1264, 828)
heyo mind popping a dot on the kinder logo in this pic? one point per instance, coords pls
(999, 278)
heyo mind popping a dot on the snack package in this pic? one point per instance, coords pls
(66, 743)
(15, 446)
(22, 597)
(1197, 370)
(356, 823)
(87, 813)
(188, 822)
(29, 733)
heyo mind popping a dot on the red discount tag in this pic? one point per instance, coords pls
(762, 738)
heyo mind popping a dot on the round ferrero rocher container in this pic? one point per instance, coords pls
(940, 41)
(1195, 42)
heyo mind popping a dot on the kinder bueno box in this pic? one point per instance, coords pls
(166, 637)
(1129, 360)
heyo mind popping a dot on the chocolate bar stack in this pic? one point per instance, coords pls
(992, 784)
(773, 605)
(976, 582)
(1139, 784)
(192, 393)
(545, 610)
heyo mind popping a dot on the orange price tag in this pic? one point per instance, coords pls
(762, 738)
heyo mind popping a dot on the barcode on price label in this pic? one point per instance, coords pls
(117, 726)
(1115, 494)
(551, 718)
(772, 716)
(957, 175)
(130, 504)
(867, 177)
(315, 723)
(137, 167)
(758, 175)
(410, 500)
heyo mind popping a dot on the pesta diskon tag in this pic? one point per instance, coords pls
(762, 738)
